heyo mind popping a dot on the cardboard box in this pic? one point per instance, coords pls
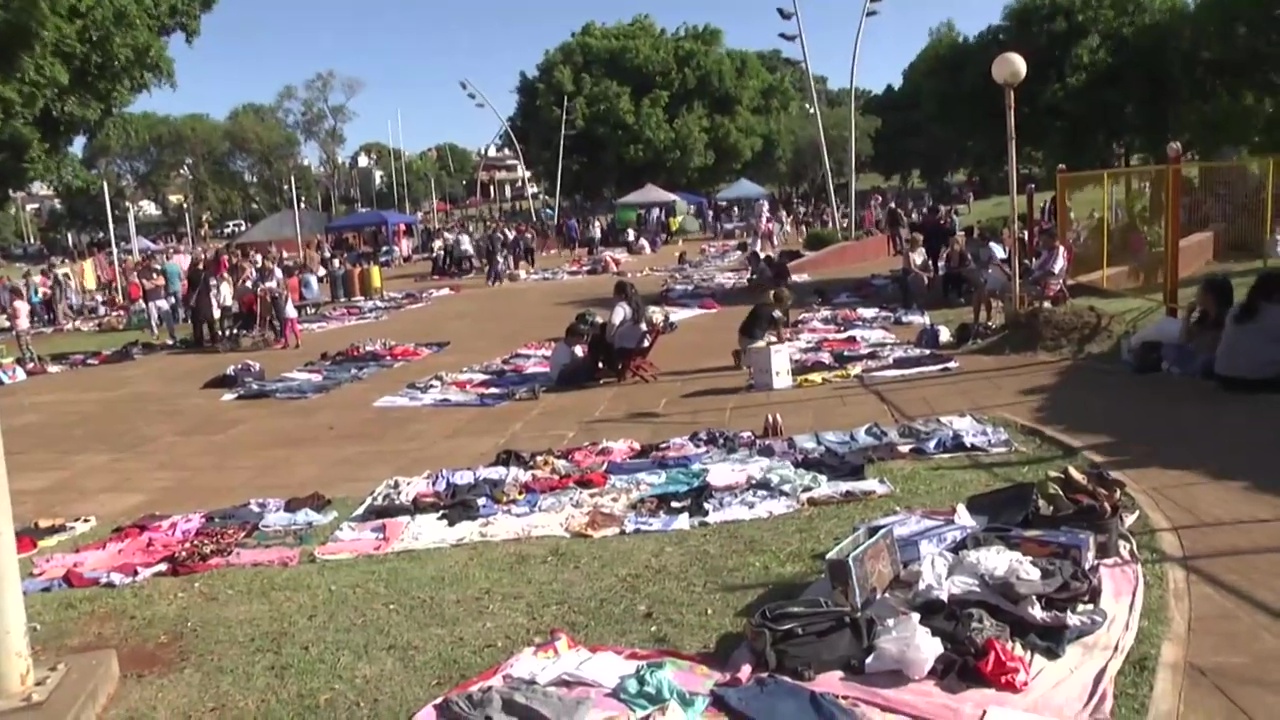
(919, 535)
(862, 567)
(1079, 546)
(769, 367)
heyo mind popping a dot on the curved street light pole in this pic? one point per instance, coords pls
(470, 87)
(867, 12)
(817, 110)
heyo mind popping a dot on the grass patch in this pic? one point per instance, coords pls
(379, 637)
(57, 343)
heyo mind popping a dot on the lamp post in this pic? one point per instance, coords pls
(1009, 70)
(788, 16)
(564, 121)
(482, 101)
(186, 202)
(867, 12)
(1173, 228)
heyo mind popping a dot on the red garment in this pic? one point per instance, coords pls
(249, 303)
(1002, 668)
(26, 545)
(547, 484)
(134, 292)
(294, 287)
(833, 345)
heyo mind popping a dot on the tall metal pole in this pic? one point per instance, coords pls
(524, 169)
(564, 118)
(115, 252)
(817, 114)
(435, 213)
(297, 220)
(1012, 139)
(395, 187)
(16, 672)
(404, 167)
(133, 229)
(853, 115)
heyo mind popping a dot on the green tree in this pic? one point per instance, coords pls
(319, 111)
(66, 67)
(673, 107)
(454, 168)
(262, 152)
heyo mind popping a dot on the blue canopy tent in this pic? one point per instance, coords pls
(691, 198)
(742, 189)
(371, 219)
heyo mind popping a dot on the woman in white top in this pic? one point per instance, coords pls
(1248, 355)
(626, 331)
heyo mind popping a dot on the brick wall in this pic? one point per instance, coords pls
(843, 255)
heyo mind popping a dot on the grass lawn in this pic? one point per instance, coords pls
(380, 637)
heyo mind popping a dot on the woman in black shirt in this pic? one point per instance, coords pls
(764, 319)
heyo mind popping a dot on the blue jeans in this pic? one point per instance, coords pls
(336, 289)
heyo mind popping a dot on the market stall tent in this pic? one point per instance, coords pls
(650, 194)
(277, 232)
(742, 189)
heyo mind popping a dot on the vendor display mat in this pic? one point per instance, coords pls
(501, 380)
(334, 370)
(614, 487)
(1078, 686)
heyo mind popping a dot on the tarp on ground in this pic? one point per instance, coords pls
(650, 194)
(279, 228)
(742, 189)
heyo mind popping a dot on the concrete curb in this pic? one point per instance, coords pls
(1171, 668)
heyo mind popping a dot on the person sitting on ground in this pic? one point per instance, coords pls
(779, 274)
(957, 269)
(1049, 273)
(916, 270)
(625, 331)
(1248, 357)
(1201, 329)
(765, 321)
(570, 364)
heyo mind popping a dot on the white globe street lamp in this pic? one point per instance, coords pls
(1009, 70)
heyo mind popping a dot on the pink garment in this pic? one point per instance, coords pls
(596, 453)
(20, 314)
(1078, 686)
(150, 545)
(260, 557)
(387, 533)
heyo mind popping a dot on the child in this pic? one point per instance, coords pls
(289, 322)
(569, 365)
(226, 302)
(20, 321)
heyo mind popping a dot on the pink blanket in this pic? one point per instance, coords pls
(1079, 686)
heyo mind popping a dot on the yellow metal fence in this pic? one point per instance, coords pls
(1118, 221)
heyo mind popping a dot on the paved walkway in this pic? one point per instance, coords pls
(103, 441)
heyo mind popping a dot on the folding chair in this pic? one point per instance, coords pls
(638, 365)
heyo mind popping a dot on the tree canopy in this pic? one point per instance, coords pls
(673, 107)
(66, 67)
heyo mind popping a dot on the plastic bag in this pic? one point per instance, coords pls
(905, 645)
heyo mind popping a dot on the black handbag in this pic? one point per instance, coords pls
(806, 637)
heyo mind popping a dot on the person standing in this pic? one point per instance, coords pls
(20, 320)
(173, 285)
(153, 297)
(494, 245)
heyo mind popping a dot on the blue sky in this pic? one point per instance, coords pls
(411, 53)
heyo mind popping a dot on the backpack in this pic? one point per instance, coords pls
(806, 637)
(933, 337)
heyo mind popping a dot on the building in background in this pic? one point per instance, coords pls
(502, 176)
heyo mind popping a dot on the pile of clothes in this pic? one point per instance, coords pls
(621, 486)
(518, 376)
(369, 310)
(719, 268)
(1024, 597)
(607, 262)
(832, 345)
(562, 680)
(261, 532)
(331, 371)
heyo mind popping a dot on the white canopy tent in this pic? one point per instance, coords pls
(650, 194)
